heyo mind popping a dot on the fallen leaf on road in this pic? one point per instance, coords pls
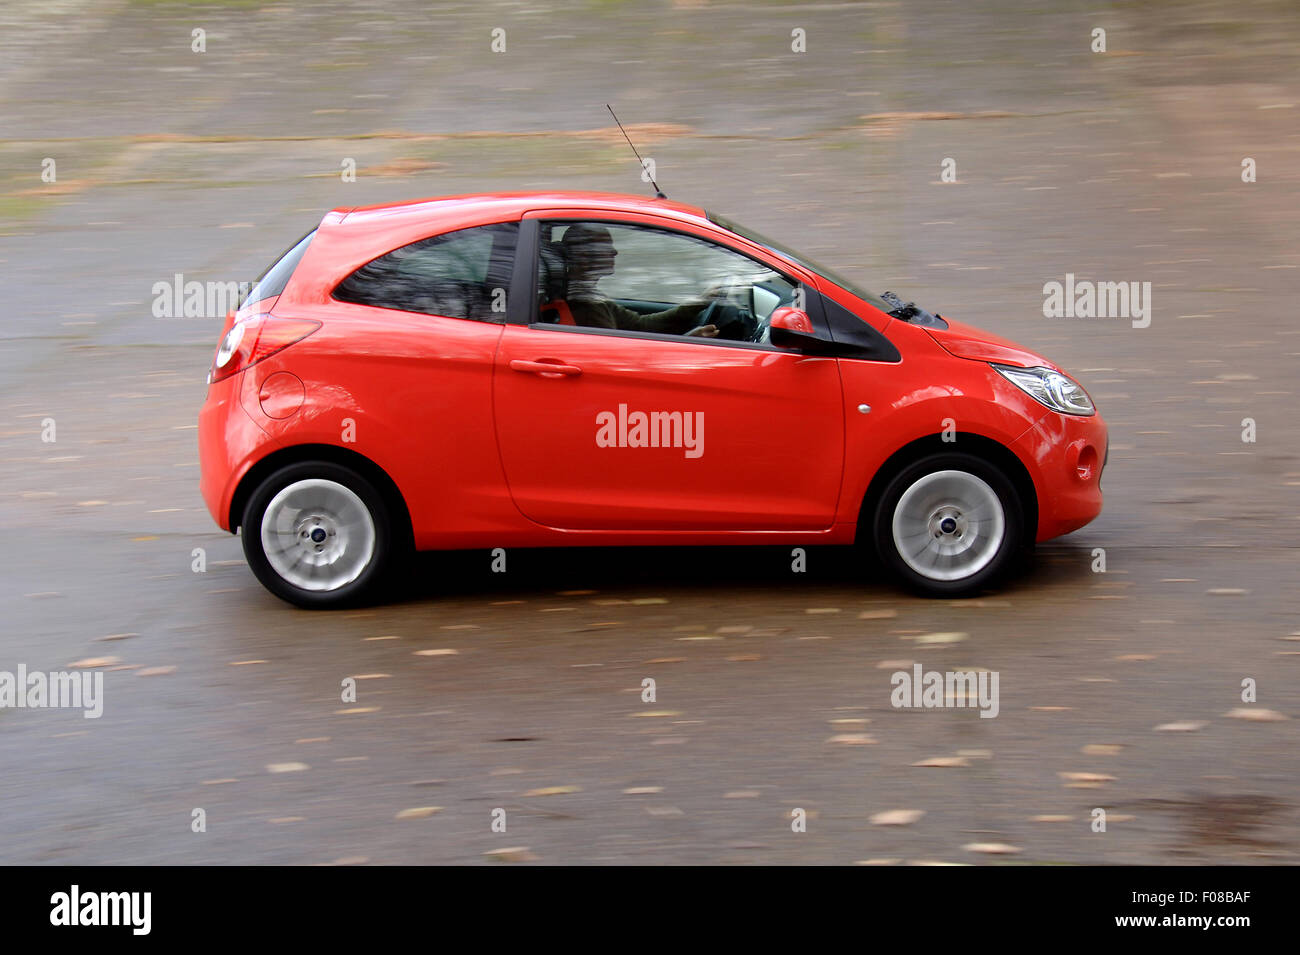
(91, 663)
(1086, 779)
(991, 848)
(943, 762)
(1255, 714)
(511, 854)
(897, 817)
(419, 812)
(1180, 726)
(935, 638)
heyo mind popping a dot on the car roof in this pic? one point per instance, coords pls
(508, 205)
(349, 237)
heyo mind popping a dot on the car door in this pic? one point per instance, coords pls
(605, 428)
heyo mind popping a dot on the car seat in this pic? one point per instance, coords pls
(551, 282)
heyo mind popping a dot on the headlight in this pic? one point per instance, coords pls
(1050, 388)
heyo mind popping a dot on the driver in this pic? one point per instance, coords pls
(589, 256)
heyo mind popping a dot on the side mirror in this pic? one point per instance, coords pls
(792, 328)
(792, 319)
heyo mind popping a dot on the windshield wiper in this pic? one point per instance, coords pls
(911, 312)
(899, 308)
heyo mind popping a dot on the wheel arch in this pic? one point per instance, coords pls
(333, 454)
(992, 452)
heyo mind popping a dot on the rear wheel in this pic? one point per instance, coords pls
(318, 535)
(949, 525)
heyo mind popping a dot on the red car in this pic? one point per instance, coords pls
(542, 369)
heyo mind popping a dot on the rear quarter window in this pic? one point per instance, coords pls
(461, 274)
(274, 279)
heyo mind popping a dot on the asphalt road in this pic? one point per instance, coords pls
(1119, 690)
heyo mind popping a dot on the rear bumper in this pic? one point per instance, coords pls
(1066, 455)
(227, 436)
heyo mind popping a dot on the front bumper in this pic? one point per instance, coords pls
(1066, 455)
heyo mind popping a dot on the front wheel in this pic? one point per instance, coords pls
(949, 525)
(317, 535)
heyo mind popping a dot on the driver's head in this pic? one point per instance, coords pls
(588, 251)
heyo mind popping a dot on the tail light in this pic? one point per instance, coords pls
(249, 341)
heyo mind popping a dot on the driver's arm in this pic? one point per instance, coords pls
(671, 321)
(606, 313)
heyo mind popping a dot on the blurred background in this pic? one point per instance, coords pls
(128, 155)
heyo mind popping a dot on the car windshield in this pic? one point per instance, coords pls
(746, 233)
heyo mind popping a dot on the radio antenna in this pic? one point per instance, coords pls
(658, 192)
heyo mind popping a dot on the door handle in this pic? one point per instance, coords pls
(546, 367)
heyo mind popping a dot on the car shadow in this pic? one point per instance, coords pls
(531, 570)
(527, 571)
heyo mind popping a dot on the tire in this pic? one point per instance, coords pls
(949, 525)
(336, 530)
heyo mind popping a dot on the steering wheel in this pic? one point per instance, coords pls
(730, 313)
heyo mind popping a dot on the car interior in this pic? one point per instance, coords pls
(742, 307)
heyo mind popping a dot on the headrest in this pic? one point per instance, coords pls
(551, 273)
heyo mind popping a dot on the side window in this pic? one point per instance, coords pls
(462, 274)
(275, 278)
(642, 279)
